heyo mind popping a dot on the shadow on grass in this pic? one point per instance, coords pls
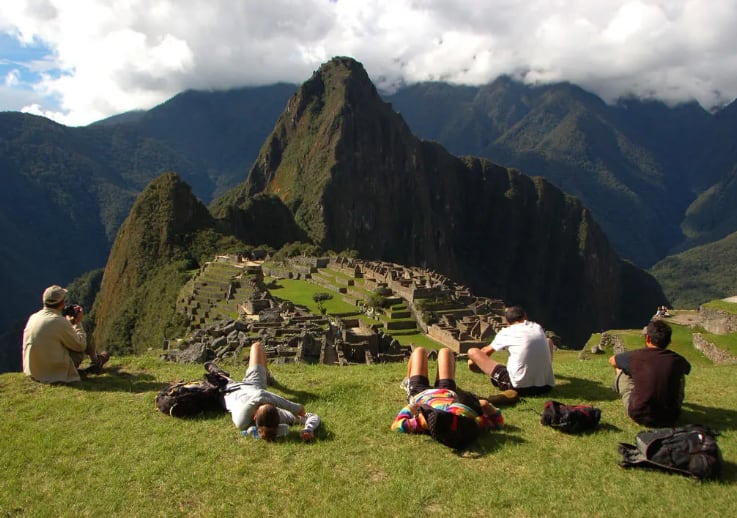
(719, 419)
(297, 395)
(581, 389)
(729, 473)
(115, 379)
(727, 477)
(493, 441)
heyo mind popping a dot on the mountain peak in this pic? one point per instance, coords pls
(168, 229)
(336, 112)
(351, 173)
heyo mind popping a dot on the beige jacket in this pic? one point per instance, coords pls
(47, 341)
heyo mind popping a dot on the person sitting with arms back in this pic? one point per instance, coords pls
(529, 370)
(54, 345)
(260, 413)
(651, 380)
(448, 414)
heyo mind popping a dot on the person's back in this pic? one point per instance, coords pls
(530, 361)
(47, 339)
(658, 386)
(651, 380)
(529, 370)
(529, 354)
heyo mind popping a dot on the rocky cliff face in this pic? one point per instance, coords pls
(354, 177)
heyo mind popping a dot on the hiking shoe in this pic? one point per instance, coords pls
(212, 368)
(405, 386)
(271, 380)
(474, 368)
(504, 398)
(96, 367)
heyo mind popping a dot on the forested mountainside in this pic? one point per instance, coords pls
(658, 179)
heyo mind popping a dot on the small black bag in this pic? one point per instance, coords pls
(689, 450)
(570, 418)
(185, 399)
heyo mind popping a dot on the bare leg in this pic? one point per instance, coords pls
(446, 364)
(481, 360)
(257, 356)
(417, 365)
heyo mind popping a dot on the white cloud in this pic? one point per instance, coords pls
(12, 78)
(107, 57)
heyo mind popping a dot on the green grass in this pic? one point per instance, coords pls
(729, 307)
(101, 449)
(301, 292)
(417, 338)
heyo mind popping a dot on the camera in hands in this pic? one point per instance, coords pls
(71, 310)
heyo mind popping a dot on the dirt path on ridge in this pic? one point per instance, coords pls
(684, 317)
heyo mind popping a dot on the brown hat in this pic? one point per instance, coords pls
(53, 295)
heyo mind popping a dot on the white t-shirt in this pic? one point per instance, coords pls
(530, 363)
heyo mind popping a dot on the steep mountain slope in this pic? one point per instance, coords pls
(168, 232)
(222, 131)
(348, 168)
(700, 274)
(52, 203)
(713, 215)
(632, 164)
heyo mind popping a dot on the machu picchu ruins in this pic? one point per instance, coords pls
(228, 304)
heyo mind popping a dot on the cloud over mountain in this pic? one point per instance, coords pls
(102, 58)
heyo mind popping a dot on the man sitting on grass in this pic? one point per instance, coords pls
(54, 344)
(260, 413)
(529, 370)
(651, 380)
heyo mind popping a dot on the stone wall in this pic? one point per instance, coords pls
(717, 321)
(711, 351)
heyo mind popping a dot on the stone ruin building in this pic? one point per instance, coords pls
(288, 332)
(233, 285)
(461, 320)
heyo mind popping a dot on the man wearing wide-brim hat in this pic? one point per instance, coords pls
(54, 345)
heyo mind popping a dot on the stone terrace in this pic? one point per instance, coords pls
(230, 289)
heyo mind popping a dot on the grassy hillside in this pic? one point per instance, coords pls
(700, 274)
(101, 448)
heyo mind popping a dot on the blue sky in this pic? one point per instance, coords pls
(20, 68)
(77, 61)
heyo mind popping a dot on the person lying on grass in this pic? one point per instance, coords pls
(258, 412)
(448, 414)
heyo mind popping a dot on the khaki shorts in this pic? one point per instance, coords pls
(623, 386)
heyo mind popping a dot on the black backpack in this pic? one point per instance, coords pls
(185, 399)
(689, 450)
(570, 418)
